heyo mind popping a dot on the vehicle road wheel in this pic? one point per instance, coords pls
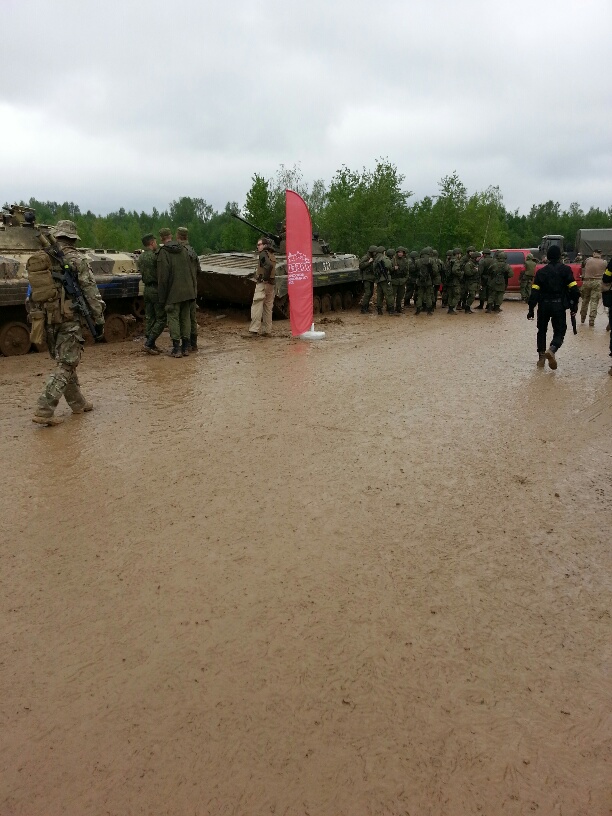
(316, 304)
(337, 301)
(347, 300)
(14, 339)
(281, 307)
(115, 328)
(326, 304)
(138, 308)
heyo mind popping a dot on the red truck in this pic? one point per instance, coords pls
(516, 259)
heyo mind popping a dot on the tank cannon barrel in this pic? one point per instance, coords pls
(271, 235)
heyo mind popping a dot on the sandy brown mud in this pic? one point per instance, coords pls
(366, 576)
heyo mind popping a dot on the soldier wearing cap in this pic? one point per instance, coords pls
(176, 290)
(590, 291)
(265, 290)
(64, 333)
(155, 314)
(182, 235)
(366, 267)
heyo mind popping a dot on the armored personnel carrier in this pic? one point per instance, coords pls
(115, 272)
(228, 277)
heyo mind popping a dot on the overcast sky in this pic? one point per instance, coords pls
(134, 103)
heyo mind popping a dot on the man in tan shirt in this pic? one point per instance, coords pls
(590, 292)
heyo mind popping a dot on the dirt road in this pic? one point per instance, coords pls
(366, 576)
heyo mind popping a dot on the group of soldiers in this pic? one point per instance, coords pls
(420, 276)
(170, 278)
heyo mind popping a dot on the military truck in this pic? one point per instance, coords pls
(588, 240)
(228, 277)
(115, 272)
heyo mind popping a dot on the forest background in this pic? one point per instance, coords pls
(356, 209)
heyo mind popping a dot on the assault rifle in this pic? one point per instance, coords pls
(70, 282)
(381, 272)
(272, 236)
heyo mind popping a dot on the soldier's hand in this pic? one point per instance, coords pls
(530, 314)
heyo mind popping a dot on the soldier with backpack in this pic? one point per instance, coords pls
(58, 311)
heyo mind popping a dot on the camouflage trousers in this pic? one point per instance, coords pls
(526, 284)
(590, 292)
(368, 291)
(453, 293)
(179, 319)
(384, 291)
(424, 296)
(261, 308)
(483, 292)
(65, 342)
(399, 292)
(470, 288)
(496, 297)
(410, 290)
(155, 314)
(193, 309)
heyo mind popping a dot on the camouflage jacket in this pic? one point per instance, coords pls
(195, 263)
(499, 275)
(425, 271)
(174, 274)
(87, 281)
(529, 269)
(470, 269)
(383, 267)
(484, 267)
(147, 266)
(366, 267)
(456, 271)
(399, 273)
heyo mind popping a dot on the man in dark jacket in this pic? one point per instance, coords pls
(176, 290)
(155, 314)
(554, 290)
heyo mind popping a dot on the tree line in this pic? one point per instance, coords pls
(357, 208)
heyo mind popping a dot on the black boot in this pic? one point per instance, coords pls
(418, 311)
(194, 344)
(150, 346)
(364, 310)
(468, 310)
(430, 311)
(379, 311)
(489, 308)
(185, 348)
(451, 310)
(176, 349)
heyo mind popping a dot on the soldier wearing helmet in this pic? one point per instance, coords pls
(453, 283)
(437, 272)
(471, 279)
(500, 273)
(366, 267)
(425, 278)
(64, 331)
(399, 278)
(484, 269)
(383, 267)
(526, 277)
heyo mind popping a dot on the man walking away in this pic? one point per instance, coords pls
(553, 291)
(592, 272)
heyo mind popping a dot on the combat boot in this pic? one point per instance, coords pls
(467, 310)
(550, 356)
(489, 308)
(451, 311)
(150, 346)
(379, 311)
(418, 311)
(176, 349)
(194, 345)
(497, 308)
(365, 310)
(84, 408)
(430, 312)
(541, 359)
(43, 417)
(185, 348)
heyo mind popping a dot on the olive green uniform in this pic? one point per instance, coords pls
(499, 275)
(195, 268)
(176, 288)
(424, 283)
(399, 277)
(412, 277)
(526, 278)
(453, 284)
(366, 267)
(485, 265)
(155, 314)
(470, 283)
(382, 270)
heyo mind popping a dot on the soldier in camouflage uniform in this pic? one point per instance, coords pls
(366, 267)
(526, 277)
(182, 236)
(446, 266)
(471, 280)
(412, 276)
(437, 272)
(176, 290)
(453, 281)
(500, 273)
(484, 268)
(64, 334)
(383, 267)
(425, 275)
(399, 276)
(155, 314)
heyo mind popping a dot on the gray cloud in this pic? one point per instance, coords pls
(130, 104)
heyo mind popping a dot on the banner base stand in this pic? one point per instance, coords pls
(312, 334)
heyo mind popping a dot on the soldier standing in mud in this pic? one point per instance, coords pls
(263, 297)
(155, 314)
(383, 267)
(484, 268)
(399, 276)
(64, 333)
(176, 290)
(470, 279)
(366, 267)
(412, 274)
(425, 274)
(497, 282)
(182, 236)
(526, 277)
(453, 282)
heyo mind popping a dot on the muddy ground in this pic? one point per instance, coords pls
(366, 576)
